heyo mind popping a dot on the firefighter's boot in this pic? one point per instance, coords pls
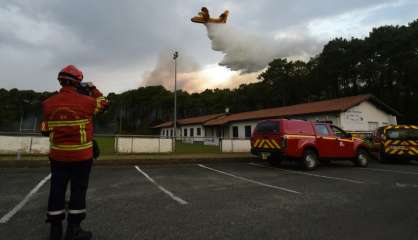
(55, 231)
(75, 232)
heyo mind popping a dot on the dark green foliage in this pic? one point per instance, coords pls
(20, 109)
(384, 64)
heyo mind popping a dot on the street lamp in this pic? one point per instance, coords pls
(175, 56)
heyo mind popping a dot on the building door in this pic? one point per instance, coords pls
(235, 132)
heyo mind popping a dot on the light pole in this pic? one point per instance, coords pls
(175, 56)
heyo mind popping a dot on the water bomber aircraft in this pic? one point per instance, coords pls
(204, 17)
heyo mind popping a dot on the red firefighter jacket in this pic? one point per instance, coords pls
(68, 119)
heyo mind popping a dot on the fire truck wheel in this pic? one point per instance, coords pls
(310, 160)
(362, 158)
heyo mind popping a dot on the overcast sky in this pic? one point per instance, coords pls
(121, 45)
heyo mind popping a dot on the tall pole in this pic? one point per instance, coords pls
(175, 56)
(120, 120)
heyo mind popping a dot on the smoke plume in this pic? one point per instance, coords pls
(247, 53)
(163, 73)
(190, 76)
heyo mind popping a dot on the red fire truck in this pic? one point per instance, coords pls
(307, 142)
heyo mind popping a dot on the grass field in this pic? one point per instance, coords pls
(106, 144)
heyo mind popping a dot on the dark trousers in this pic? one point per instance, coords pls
(77, 173)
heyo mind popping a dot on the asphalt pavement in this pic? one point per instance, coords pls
(242, 200)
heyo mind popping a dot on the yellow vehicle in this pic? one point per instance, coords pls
(395, 142)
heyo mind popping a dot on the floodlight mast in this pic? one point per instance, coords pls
(175, 56)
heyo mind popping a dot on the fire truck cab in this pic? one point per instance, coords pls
(307, 142)
(395, 143)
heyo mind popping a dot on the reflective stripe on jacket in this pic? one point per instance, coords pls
(68, 120)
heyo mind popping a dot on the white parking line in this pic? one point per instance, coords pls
(249, 180)
(174, 197)
(19, 206)
(311, 174)
(391, 171)
(405, 185)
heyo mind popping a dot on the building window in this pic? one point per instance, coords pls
(235, 132)
(199, 132)
(373, 126)
(191, 132)
(247, 131)
(185, 132)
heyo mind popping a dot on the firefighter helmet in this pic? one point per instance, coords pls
(70, 73)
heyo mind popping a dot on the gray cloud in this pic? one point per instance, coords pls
(123, 39)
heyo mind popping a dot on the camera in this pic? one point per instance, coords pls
(85, 88)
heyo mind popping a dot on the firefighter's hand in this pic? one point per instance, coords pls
(106, 106)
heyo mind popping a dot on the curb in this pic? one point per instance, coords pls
(152, 160)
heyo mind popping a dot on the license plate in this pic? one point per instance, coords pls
(265, 156)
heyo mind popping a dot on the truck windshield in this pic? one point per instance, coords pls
(267, 127)
(402, 134)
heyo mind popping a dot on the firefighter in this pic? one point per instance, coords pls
(68, 121)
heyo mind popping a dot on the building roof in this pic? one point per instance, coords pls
(326, 106)
(190, 121)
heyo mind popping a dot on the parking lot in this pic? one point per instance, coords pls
(226, 201)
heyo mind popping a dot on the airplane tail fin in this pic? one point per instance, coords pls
(205, 13)
(224, 16)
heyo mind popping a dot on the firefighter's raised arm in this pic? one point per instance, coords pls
(101, 102)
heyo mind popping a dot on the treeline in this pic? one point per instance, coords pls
(384, 64)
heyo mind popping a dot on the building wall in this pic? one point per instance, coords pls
(166, 132)
(316, 117)
(365, 117)
(241, 128)
(194, 127)
(332, 117)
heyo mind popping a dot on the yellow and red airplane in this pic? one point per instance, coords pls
(204, 17)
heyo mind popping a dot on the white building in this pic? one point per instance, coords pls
(191, 129)
(363, 113)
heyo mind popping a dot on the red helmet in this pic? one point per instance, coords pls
(70, 73)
